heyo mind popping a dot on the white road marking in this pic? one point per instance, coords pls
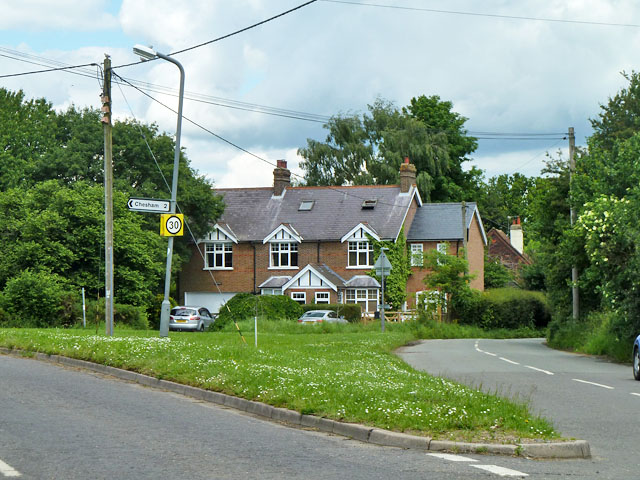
(509, 361)
(8, 470)
(636, 394)
(501, 471)
(451, 458)
(539, 370)
(492, 354)
(593, 383)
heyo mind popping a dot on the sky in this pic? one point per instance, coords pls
(525, 67)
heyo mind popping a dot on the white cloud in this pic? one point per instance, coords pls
(76, 15)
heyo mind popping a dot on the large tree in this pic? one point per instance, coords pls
(369, 148)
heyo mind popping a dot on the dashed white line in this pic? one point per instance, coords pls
(501, 471)
(492, 354)
(509, 361)
(451, 458)
(539, 370)
(636, 394)
(593, 383)
(8, 470)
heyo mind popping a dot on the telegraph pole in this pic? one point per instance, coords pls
(108, 197)
(574, 270)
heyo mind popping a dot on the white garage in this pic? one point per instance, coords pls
(212, 301)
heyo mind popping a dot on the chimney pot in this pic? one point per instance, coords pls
(282, 163)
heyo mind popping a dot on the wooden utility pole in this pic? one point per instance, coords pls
(574, 270)
(108, 197)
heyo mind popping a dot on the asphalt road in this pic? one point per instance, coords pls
(585, 397)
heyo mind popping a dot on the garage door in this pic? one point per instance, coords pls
(213, 301)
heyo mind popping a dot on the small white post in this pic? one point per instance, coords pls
(255, 329)
(84, 311)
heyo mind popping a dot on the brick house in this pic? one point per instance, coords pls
(312, 243)
(509, 250)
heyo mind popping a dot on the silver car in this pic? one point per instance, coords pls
(319, 316)
(190, 318)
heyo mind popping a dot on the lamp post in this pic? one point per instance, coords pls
(147, 53)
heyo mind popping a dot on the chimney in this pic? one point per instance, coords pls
(281, 178)
(407, 176)
(517, 238)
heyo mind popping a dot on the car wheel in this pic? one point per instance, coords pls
(636, 363)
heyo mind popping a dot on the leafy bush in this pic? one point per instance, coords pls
(503, 308)
(352, 312)
(597, 335)
(38, 299)
(496, 275)
(130, 315)
(245, 305)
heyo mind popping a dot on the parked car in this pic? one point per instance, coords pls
(319, 316)
(636, 358)
(190, 318)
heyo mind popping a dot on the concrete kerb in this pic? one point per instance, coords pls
(558, 450)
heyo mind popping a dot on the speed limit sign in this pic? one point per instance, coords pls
(171, 225)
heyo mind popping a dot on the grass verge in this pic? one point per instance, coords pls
(343, 372)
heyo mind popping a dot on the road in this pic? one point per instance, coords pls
(62, 423)
(585, 397)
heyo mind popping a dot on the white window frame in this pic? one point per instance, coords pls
(417, 255)
(360, 248)
(326, 297)
(271, 291)
(364, 296)
(218, 252)
(299, 296)
(275, 249)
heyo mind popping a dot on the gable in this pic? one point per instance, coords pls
(310, 277)
(220, 233)
(283, 233)
(359, 233)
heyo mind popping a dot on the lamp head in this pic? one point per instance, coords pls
(145, 53)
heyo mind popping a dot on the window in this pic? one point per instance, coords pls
(366, 298)
(322, 297)
(360, 254)
(306, 205)
(218, 255)
(284, 255)
(271, 291)
(442, 248)
(300, 297)
(416, 255)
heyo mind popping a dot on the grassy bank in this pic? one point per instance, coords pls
(344, 372)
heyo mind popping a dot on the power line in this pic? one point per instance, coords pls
(246, 28)
(47, 70)
(490, 15)
(229, 34)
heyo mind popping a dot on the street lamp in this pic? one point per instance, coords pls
(147, 53)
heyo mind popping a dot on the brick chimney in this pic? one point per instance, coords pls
(516, 235)
(407, 176)
(281, 178)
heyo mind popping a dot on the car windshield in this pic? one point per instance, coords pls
(182, 312)
(315, 314)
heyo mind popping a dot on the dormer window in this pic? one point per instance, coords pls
(284, 255)
(369, 204)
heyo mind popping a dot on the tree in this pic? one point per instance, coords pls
(369, 149)
(396, 282)
(504, 198)
(450, 275)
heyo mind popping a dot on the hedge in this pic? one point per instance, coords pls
(243, 306)
(502, 308)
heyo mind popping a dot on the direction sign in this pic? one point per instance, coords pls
(382, 265)
(171, 225)
(149, 205)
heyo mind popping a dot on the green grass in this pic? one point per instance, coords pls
(343, 372)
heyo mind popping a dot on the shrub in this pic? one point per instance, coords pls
(503, 308)
(129, 315)
(37, 300)
(245, 305)
(352, 312)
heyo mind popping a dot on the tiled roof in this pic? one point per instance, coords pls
(442, 221)
(253, 213)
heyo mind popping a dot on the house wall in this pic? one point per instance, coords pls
(415, 282)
